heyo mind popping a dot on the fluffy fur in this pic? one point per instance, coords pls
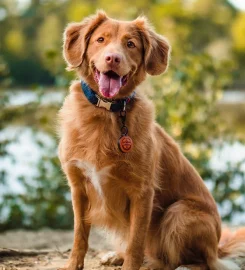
(151, 197)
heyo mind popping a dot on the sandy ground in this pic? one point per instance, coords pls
(51, 250)
(54, 244)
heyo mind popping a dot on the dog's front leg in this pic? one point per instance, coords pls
(81, 227)
(140, 215)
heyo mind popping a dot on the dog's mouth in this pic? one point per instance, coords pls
(109, 82)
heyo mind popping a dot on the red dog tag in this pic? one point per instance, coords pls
(125, 144)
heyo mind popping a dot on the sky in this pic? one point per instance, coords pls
(238, 3)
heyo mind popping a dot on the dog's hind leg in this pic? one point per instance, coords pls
(113, 258)
(188, 234)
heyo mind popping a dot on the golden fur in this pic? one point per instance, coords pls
(151, 197)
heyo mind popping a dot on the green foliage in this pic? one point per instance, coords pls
(31, 37)
(185, 101)
(44, 199)
(238, 31)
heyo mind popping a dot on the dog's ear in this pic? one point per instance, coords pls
(77, 36)
(156, 48)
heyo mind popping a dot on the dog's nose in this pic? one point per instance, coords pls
(113, 58)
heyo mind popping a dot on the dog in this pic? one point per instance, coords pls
(125, 172)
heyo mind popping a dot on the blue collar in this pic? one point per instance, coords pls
(113, 106)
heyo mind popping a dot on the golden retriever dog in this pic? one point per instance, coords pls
(125, 172)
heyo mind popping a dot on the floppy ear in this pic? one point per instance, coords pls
(77, 36)
(156, 48)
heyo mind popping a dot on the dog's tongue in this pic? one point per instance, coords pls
(109, 86)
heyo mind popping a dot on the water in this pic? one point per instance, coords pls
(23, 97)
(233, 97)
(23, 155)
(229, 154)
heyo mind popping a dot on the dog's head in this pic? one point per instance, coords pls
(113, 56)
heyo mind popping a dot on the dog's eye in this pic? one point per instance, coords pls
(100, 39)
(130, 44)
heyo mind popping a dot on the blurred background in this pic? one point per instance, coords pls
(200, 101)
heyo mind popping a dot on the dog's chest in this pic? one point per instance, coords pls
(97, 178)
(108, 201)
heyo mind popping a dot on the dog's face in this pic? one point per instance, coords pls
(113, 56)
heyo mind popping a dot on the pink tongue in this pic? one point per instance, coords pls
(109, 86)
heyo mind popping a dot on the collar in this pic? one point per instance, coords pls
(113, 106)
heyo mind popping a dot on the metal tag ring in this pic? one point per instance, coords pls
(124, 130)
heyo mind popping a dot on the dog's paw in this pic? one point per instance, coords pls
(192, 267)
(72, 267)
(74, 263)
(112, 258)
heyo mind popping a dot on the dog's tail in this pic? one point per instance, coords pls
(232, 244)
(231, 247)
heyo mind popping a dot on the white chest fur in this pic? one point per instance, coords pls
(97, 177)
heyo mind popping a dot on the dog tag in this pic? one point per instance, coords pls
(125, 144)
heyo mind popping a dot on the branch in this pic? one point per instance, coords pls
(26, 252)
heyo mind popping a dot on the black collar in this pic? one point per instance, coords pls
(113, 106)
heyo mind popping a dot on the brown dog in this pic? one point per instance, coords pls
(147, 193)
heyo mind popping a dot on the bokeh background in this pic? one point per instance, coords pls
(200, 101)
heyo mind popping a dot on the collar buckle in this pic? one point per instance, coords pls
(104, 104)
